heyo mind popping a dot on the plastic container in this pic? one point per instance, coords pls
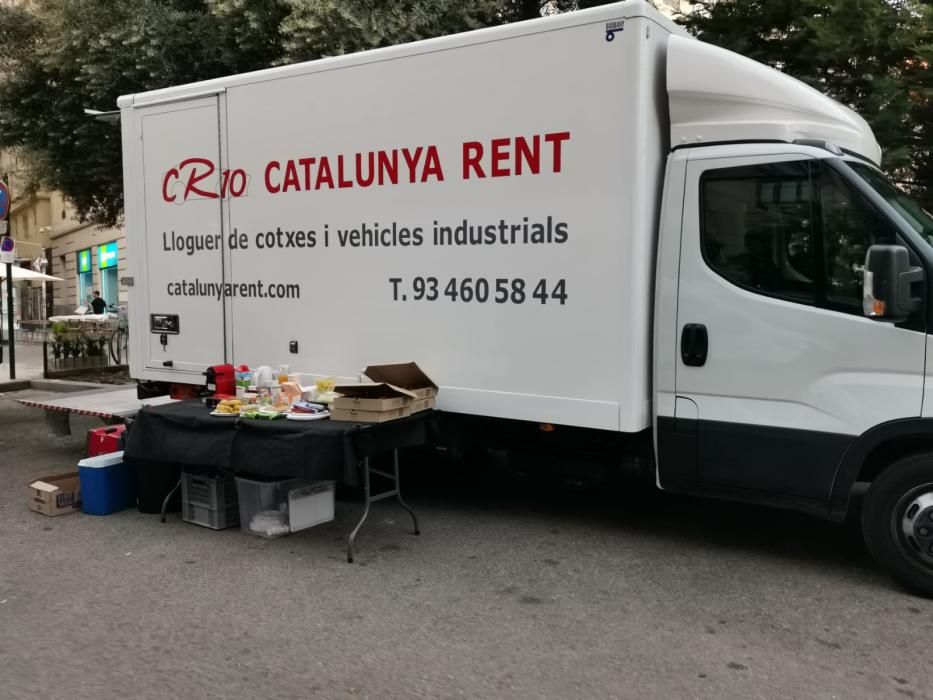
(209, 500)
(106, 484)
(104, 440)
(264, 505)
(310, 505)
(276, 507)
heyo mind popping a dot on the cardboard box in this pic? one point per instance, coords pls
(406, 376)
(56, 495)
(419, 405)
(371, 397)
(352, 403)
(369, 416)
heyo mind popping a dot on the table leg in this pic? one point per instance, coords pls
(168, 498)
(398, 493)
(366, 495)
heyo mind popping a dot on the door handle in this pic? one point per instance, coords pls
(694, 345)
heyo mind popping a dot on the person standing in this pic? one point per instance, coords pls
(98, 305)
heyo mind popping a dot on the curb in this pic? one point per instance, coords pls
(14, 385)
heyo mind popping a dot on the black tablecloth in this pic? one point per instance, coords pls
(185, 433)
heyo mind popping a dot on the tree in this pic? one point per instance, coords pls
(318, 28)
(873, 55)
(76, 54)
(518, 10)
(61, 56)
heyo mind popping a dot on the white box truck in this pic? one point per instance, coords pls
(654, 248)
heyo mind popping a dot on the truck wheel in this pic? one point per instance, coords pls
(897, 522)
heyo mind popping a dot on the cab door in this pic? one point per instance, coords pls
(776, 368)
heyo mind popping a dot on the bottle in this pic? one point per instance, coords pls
(263, 397)
(283, 374)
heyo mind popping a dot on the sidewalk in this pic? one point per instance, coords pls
(28, 361)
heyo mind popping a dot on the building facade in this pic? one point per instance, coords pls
(29, 222)
(49, 238)
(87, 258)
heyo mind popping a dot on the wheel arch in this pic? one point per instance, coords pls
(872, 452)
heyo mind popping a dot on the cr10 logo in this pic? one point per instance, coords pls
(197, 178)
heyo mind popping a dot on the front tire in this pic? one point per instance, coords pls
(897, 522)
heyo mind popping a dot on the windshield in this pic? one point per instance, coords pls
(913, 213)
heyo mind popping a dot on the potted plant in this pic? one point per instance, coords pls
(59, 329)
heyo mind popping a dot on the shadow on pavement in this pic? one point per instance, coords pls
(641, 510)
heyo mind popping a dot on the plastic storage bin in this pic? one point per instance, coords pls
(310, 505)
(209, 500)
(106, 484)
(264, 505)
(276, 507)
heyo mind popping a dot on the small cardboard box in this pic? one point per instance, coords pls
(419, 405)
(56, 495)
(349, 414)
(371, 397)
(406, 376)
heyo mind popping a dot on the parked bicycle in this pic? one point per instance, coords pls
(119, 340)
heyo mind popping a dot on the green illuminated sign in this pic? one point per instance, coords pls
(84, 260)
(107, 255)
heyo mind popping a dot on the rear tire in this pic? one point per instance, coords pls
(897, 522)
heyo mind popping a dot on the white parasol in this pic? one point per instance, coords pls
(22, 274)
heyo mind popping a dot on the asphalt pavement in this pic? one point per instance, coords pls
(515, 589)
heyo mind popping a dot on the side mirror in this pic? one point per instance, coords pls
(886, 287)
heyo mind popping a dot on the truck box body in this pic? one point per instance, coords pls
(477, 203)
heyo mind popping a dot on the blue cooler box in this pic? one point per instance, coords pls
(106, 484)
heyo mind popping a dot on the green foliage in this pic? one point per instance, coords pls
(68, 55)
(251, 32)
(317, 28)
(873, 55)
(61, 56)
(518, 10)
(74, 342)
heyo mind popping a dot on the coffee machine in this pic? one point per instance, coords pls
(221, 383)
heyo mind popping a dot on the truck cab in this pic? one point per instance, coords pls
(792, 314)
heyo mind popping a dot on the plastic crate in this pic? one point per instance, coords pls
(210, 501)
